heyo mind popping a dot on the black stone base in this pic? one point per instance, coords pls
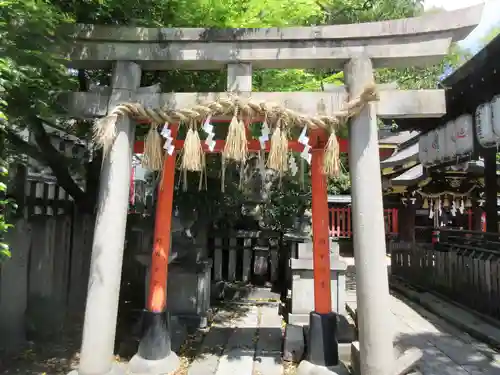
(155, 338)
(322, 345)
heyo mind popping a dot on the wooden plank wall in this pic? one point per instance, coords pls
(46, 278)
(238, 258)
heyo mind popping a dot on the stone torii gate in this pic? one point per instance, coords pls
(355, 48)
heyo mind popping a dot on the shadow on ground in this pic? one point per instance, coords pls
(56, 355)
(449, 349)
(443, 354)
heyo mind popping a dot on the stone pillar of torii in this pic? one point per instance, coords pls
(357, 49)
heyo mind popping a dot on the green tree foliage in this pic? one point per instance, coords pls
(423, 78)
(29, 73)
(492, 34)
(6, 205)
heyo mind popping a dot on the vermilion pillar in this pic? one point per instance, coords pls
(321, 245)
(157, 294)
(154, 355)
(322, 340)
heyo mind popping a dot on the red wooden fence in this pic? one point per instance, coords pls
(340, 221)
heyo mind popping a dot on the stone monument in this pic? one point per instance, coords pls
(188, 288)
(257, 184)
(303, 283)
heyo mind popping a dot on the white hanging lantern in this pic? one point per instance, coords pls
(465, 140)
(495, 115)
(423, 149)
(484, 126)
(441, 151)
(451, 143)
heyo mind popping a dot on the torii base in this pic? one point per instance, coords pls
(154, 356)
(116, 369)
(308, 368)
(322, 345)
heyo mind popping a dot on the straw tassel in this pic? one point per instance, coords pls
(278, 152)
(446, 201)
(104, 132)
(192, 153)
(331, 159)
(425, 205)
(203, 175)
(153, 153)
(236, 147)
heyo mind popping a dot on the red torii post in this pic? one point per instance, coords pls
(155, 342)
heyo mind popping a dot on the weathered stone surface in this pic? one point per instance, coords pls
(140, 366)
(239, 77)
(188, 291)
(109, 236)
(407, 361)
(345, 331)
(207, 360)
(392, 104)
(303, 286)
(355, 358)
(308, 368)
(374, 327)
(239, 353)
(294, 345)
(305, 250)
(385, 52)
(447, 349)
(268, 352)
(406, 41)
(345, 352)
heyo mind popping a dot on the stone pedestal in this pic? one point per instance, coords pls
(294, 239)
(305, 250)
(188, 291)
(145, 260)
(303, 288)
(188, 287)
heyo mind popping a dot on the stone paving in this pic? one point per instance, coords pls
(241, 341)
(447, 350)
(246, 339)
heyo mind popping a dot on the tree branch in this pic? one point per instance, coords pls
(23, 147)
(56, 162)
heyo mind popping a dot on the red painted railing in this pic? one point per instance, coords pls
(340, 221)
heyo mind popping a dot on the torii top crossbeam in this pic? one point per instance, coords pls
(406, 42)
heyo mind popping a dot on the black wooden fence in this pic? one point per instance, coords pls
(464, 266)
(245, 256)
